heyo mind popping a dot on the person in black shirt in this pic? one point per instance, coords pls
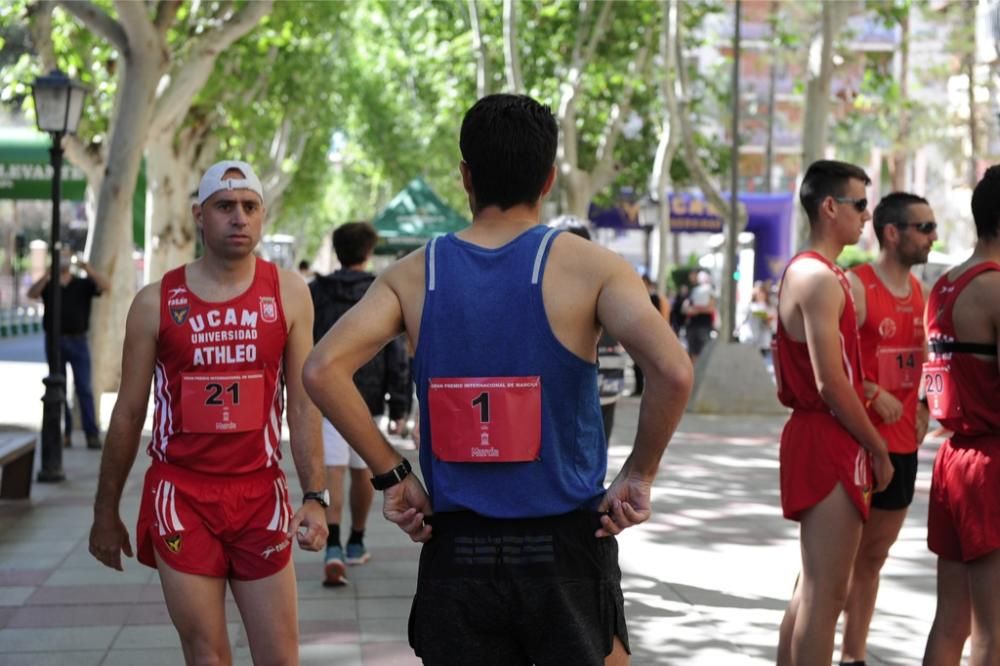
(384, 379)
(77, 294)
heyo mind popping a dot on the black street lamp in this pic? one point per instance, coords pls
(58, 105)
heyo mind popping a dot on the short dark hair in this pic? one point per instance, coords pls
(508, 143)
(891, 209)
(986, 204)
(827, 178)
(354, 242)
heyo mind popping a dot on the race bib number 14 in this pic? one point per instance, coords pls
(486, 419)
(222, 402)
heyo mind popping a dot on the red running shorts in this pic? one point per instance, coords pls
(816, 454)
(962, 522)
(211, 525)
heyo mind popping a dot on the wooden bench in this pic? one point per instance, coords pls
(17, 457)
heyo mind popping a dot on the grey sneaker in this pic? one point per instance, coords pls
(333, 567)
(357, 553)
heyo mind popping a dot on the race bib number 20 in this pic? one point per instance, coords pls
(486, 419)
(939, 387)
(222, 402)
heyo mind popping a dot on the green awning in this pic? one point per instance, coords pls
(26, 173)
(413, 217)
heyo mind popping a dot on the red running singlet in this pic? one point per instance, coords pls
(892, 352)
(817, 452)
(219, 377)
(971, 404)
(793, 370)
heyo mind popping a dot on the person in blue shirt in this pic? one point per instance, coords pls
(520, 562)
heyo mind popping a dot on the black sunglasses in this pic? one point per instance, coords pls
(860, 205)
(926, 228)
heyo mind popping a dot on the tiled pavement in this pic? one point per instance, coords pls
(706, 580)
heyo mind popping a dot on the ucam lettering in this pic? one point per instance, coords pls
(216, 318)
(225, 354)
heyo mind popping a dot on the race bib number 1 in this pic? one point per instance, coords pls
(486, 419)
(940, 389)
(222, 402)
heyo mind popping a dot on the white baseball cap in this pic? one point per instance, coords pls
(213, 181)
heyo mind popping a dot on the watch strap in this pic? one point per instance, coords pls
(316, 496)
(393, 476)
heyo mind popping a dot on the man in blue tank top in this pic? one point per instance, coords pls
(520, 561)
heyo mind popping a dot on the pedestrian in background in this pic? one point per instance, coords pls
(699, 308)
(387, 374)
(76, 298)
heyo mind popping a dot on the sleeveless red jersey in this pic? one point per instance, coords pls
(219, 376)
(892, 352)
(792, 367)
(972, 401)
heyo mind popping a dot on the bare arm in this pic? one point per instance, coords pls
(303, 417)
(329, 378)
(821, 300)
(622, 308)
(108, 536)
(36, 289)
(102, 282)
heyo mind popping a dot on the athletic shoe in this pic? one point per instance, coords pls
(93, 441)
(357, 553)
(333, 567)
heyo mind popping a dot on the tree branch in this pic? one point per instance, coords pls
(566, 114)
(40, 26)
(604, 171)
(99, 21)
(166, 12)
(190, 76)
(678, 109)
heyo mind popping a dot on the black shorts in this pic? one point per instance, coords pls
(899, 494)
(540, 591)
(698, 336)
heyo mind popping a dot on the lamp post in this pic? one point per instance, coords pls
(58, 105)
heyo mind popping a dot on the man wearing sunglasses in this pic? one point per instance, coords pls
(830, 450)
(889, 302)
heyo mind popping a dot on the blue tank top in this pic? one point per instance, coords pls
(484, 316)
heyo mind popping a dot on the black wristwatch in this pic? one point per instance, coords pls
(393, 476)
(323, 497)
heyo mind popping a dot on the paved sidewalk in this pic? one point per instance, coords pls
(706, 579)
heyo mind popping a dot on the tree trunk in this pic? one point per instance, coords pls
(479, 49)
(969, 67)
(900, 155)
(660, 182)
(512, 64)
(578, 192)
(772, 83)
(170, 234)
(111, 248)
(817, 109)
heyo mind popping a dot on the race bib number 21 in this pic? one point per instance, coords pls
(222, 402)
(485, 419)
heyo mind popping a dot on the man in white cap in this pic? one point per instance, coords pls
(222, 336)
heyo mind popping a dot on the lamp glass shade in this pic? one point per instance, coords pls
(58, 102)
(74, 110)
